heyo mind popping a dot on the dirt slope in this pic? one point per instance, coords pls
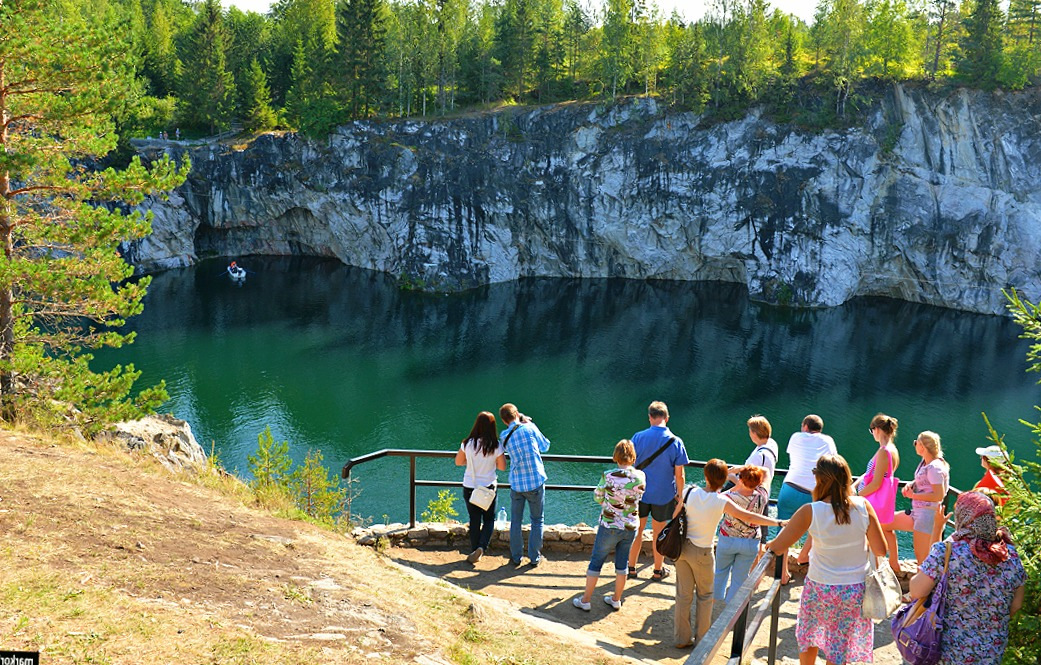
(107, 558)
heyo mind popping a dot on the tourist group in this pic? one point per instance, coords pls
(849, 524)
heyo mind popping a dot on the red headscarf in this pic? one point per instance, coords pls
(976, 524)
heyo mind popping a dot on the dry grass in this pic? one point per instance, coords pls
(107, 558)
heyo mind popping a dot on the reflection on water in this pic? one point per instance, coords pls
(340, 359)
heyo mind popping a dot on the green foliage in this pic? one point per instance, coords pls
(982, 57)
(441, 508)
(360, 71)
(317, 495)
(271, 463)
(206, 87)
(309, 489)
(1022, 513)
(63, 282)
(259, 114)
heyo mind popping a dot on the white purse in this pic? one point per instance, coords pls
(881, 591)
(482, 497)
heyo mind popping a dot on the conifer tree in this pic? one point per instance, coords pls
(360, 54)
(207, 89)
(981, 47)
(63, 77)
(259, 115)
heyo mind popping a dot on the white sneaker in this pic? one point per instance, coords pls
(577, 602)
(609, 599)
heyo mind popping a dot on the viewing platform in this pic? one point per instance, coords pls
(641, 630)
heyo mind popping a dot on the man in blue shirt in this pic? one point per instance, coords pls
(524, 444)
(662, 461)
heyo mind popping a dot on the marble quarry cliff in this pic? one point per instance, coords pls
(936, 198)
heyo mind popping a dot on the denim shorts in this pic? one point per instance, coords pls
(611, 540)
(924, 519)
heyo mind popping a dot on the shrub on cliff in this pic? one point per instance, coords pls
(64, 76)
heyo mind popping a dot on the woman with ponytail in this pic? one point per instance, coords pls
(879, 483)
(985, 584)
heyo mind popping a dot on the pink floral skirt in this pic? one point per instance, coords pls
(829, 619)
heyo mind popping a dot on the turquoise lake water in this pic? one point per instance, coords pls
(340, 359)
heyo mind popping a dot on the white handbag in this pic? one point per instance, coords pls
(482, 497)
(881, 591)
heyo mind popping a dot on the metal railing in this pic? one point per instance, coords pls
(734, 617)
(414, 482)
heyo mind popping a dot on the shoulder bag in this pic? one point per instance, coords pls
(918, 626)
(670, 540)
(483, 497)
(647, 462)
(881, 591)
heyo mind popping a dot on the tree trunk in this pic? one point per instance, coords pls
(7, 410)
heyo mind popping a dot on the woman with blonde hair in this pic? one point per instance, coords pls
(845, 533)
(879, 483)
(931, 480)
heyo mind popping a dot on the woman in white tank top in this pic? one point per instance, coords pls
(844, 529)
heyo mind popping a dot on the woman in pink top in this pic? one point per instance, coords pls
(879, 483)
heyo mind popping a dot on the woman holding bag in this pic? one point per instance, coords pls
(985, 584)
(481, 454)
(879, 483)
(845, 533)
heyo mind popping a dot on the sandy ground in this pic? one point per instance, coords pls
(641, 630)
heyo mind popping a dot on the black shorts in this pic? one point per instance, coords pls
(658, 513)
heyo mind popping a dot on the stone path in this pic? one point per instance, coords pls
(641, 630)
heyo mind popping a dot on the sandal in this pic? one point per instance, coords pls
(632, 574)
(661, 574)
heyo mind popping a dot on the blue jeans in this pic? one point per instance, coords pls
(482, 522)
(734, 557)
(535, 500)
(610, 540)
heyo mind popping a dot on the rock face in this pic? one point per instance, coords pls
(937, 199)
(168, 439)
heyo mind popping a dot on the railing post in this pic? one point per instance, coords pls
(775, 610)
(737, 639)
(412, 491)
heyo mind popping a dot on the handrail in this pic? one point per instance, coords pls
(413, 453)
(734, 618)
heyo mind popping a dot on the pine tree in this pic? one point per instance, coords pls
(980, 63)
(259, 115)
(207, 89)
(515, 42)
(63, 77)
(360, 54)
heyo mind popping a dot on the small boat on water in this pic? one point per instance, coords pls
(236, 272)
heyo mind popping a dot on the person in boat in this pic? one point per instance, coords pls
(235, 271)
